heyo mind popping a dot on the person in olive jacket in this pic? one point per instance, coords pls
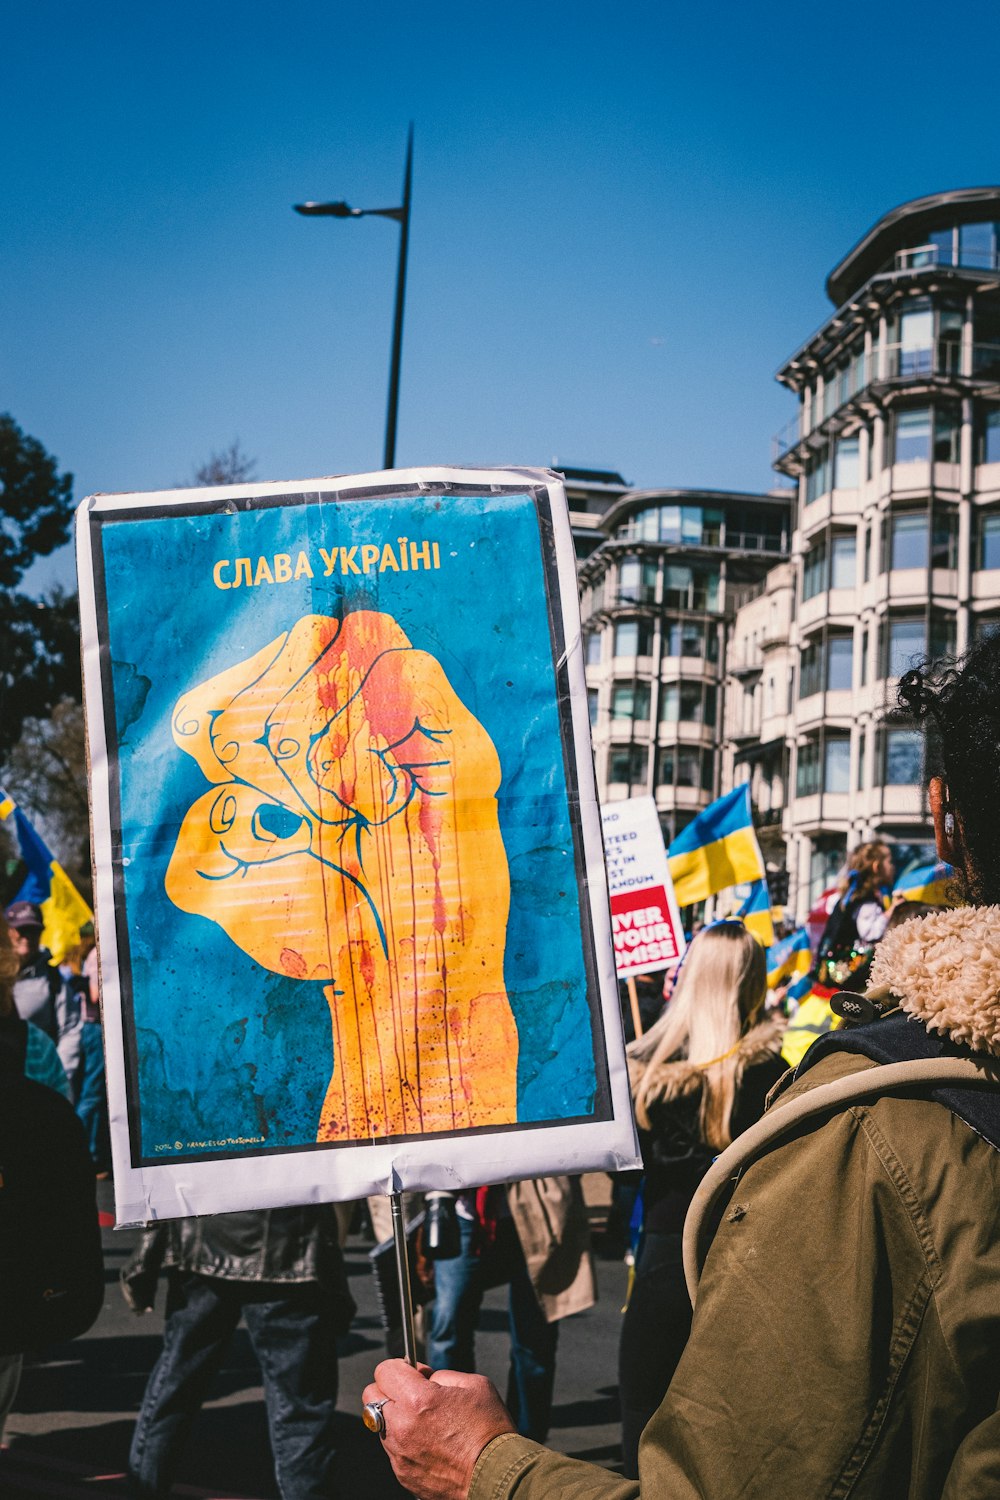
(282, 1271)
(846, 1334)
(700, 1077)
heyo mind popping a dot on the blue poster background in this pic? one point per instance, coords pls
(226, 1049)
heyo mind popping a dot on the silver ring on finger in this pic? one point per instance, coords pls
(371, 1415)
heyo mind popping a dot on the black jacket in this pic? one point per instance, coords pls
(277, 1245)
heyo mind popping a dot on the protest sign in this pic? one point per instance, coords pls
(352, 912)
(645, 920)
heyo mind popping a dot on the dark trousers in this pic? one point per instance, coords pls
(654, 1333)
(291, 1329)
(459, 1284)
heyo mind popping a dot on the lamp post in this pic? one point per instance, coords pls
(343, 210)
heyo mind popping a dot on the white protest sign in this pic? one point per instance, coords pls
(351, 905)
(645, 920)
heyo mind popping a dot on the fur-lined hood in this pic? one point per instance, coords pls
(680, 1079)
(944, 970)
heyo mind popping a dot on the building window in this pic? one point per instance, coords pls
(690, 525)
(690, 638)
(685, 765)
(630, 700)
(903, 751)
(847, 470)
(807, 769)
(811, 669)
(627, 764)
(867, 556)
(989, 438)
(916, 341)
(839, 662)
(944, 539)
(977, 246)
(862, 743)
(912, 433)
(843, 561)
(592, 644)
(904, 642)
(633, 638)
(825, 862)
(946, 436)
(687, 702)
(592, 697)
(818, 475)
(906, 645)
(837, 763)
(864, 656)
(989, 539)
(690, 588)
(814, 570)
(692, 703)
(909, 540)
(636, 581)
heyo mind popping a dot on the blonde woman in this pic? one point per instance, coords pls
(699, 1077)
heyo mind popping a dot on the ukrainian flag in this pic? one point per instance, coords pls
(718, 849)
(813, 1019)
(789, 960)
(928, 882)
(755, 914)
(64, 910)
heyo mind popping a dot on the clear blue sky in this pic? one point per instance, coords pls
(623, 217)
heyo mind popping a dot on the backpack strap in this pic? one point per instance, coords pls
(780, 1122)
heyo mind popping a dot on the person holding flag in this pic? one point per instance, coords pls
(46, 886)
(41, 994)
(45, 919)
(843, 960)
(789, 961)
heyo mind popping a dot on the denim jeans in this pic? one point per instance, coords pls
(291, 1329)
(459, 1284)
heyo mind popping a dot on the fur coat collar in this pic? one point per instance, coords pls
(944, 970)
(680, 1079)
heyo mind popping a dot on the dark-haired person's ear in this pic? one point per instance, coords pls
(945, 832)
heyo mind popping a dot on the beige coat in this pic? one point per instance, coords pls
(551, 1222)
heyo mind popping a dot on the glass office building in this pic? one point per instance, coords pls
(895, 452)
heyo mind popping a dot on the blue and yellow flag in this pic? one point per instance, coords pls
(718, 849)
(47, 885)
(928, 882)
(789, 960)
(813, 1019)
(755, 913)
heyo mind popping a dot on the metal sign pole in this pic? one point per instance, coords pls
(403, 1276)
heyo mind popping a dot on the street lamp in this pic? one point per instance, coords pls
(343, 210)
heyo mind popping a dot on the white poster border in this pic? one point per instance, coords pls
(332, 1173)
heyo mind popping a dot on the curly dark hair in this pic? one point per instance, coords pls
(959, 701)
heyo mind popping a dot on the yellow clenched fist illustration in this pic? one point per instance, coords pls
(352, 836)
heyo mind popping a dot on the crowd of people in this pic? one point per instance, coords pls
(816, 1313)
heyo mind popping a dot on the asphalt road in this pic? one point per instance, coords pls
(69, 1433)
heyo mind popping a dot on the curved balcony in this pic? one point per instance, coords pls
(946, 365)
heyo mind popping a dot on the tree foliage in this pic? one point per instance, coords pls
(230, 466)
(40, 664)
(46, 774)
(36, 502)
